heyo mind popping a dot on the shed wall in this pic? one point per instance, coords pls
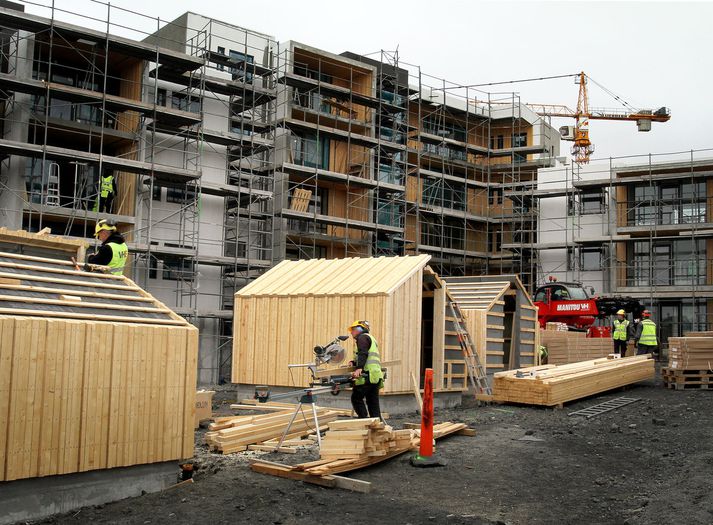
(271, 332)
(78, 396)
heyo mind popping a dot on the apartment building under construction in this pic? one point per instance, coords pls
(634, 227)
(228, 151)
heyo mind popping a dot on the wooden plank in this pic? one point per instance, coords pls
(88, 317)
(417, 392)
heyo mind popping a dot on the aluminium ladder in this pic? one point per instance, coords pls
(476, 372)
(52, 196)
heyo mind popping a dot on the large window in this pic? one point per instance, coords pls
(446, 194)
(308, 151)
(437, 125)
(448, 234)
(591, 259)
(668, 263)
(668, 204)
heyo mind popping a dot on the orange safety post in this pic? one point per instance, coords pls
(426, 447)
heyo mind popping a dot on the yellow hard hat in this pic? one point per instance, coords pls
(104, 224)
(621, 312)
(364, 325)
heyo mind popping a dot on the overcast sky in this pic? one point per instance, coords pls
(650, 53)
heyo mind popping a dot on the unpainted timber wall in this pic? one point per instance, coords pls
(78, 396)
(272, 331)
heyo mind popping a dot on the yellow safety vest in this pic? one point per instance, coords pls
(373, 364)
(648, 333)
(107, 186)
(120, 252)
(620, 330)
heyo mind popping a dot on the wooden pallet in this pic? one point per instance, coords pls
(687, 379)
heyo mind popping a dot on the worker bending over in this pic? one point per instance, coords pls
(368, 376)
(621, 333)
(645, 337)
(113, 251)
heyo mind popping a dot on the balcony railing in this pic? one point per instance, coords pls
(663, 213)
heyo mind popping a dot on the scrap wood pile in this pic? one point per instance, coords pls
(690, 362)
(262, 432)
(354, 444)
(552, 385)
(565, 347)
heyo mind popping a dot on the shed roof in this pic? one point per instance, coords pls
(41, 287)
(352, 276)
(479, 292)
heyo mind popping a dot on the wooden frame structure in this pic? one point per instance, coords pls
(94, 372)
(280, 316)
(42, 244)
(501, 318)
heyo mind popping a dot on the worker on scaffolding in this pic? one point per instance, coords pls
(368, 376)
(113, 251)
(645, 337)
(621, 333)
(107, 192)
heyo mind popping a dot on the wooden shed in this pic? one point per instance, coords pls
(94, 372)
(282, 315)
(500, 317)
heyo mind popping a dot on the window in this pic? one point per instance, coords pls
(591, 259)
(591, 202)
(497, 142)
(177, 268)
(495, 196)
(156, 193)
(179, 195)
(389, 213)
(221, 51)
(667, 263)
(519, 140)
(446, 194)
(161, 98)
(295, 253)
(668, 203)
(307, 151)
(437, 125)
(241, 71)
(185, 102)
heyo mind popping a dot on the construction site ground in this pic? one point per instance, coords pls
(647, 463)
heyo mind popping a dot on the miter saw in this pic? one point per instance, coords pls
(332, 353)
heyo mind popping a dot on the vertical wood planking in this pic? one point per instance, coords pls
(189, 407)
(439, 337)
(38, 389)
(7, 331)
(18, 396)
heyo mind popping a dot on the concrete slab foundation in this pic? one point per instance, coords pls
(31, 499)
(391, 403)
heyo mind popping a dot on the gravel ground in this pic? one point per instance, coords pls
(647, 463)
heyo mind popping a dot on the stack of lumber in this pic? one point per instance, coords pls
(562, 327)
(552, 385)
(236, 434)
(572, 347)
(690, 362)
(362, 439)
(355, 444)
(691, 353)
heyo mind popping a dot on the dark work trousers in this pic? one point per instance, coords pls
(371, 393)
(647, 349)
(620, 347)
(106, 204)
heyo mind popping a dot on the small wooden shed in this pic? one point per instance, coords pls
(94, 372)
(283, 314)
(501, 318)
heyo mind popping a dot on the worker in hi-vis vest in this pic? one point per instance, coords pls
(645, 338)
(107, 192)
(620, 333)
(368, 376)
(113, 251)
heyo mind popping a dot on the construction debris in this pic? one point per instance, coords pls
(552, 385)
(354, 444)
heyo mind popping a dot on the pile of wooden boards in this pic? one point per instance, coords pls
(354, 444)
(565, 347)
(363, 439)
(552, 385)
(690, 362)
(236, 434)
